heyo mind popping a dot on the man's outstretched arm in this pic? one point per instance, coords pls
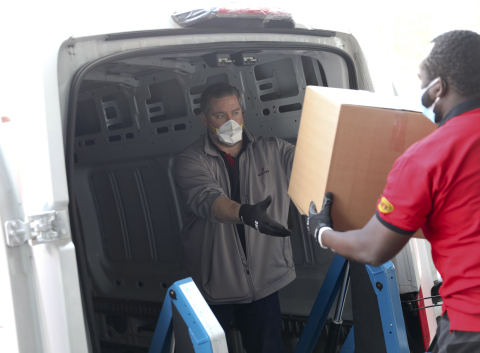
(226, 211)
(374, 244)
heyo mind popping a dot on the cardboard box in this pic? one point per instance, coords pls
(347, 143)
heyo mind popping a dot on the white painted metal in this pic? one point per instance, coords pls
(19, 322)
(408, 277)
(61, 314)
(44, 277)
(157, 14)
(426, 282)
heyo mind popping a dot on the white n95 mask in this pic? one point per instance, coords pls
(230, 133)
(428, 111)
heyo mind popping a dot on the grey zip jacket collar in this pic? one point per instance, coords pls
(212, 250)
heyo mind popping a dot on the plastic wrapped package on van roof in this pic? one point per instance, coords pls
(234, 15)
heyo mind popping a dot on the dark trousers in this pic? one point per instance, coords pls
(457, 341)
(259, 322)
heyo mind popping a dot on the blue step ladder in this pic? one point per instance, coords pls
(196, 328)
(384, 282)
(186, 307)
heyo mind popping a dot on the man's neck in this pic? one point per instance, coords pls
(450, 102)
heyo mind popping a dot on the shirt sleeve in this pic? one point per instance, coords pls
(407, 199)
(197, 185)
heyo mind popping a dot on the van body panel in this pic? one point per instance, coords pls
(49, 282)
(20, 325)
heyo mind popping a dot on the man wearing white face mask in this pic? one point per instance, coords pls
(434, 185)
(426, 103)
(237, 248)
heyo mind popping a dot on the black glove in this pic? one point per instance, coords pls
(256, 217)
(324, 218)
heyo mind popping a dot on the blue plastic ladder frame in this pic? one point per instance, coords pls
(384, 282)
(163, 331)
(330, 287)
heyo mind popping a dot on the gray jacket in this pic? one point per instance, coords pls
(212, 250)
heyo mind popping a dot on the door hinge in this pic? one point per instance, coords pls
(43, 227)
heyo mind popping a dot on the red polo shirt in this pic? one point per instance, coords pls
(435, 185)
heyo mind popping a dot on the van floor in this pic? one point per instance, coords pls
(292, 329)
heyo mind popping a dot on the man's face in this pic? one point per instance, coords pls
(221, 111)
(430, 96)
(422, 76)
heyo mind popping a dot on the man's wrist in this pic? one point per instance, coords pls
(318, 236)
(242, 212)
(226, 210)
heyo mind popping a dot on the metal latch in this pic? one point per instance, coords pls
(43, 227)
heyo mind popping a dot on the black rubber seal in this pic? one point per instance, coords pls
(190, 31)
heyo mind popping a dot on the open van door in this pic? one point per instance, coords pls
(40, 306)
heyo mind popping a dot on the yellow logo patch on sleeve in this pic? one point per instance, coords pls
(385, 206)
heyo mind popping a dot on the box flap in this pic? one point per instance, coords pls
(367, 99)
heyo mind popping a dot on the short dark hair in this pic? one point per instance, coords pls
(455, 57)
(217, 90)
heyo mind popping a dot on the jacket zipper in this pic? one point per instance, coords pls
(225, 175)
(244, 198)
(245, 268)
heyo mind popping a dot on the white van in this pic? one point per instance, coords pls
(91, 214)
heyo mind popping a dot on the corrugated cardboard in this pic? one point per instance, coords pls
(347, 144)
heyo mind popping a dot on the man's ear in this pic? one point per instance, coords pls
(442, 88)
(204, 118)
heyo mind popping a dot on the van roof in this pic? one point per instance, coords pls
(159, 16)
